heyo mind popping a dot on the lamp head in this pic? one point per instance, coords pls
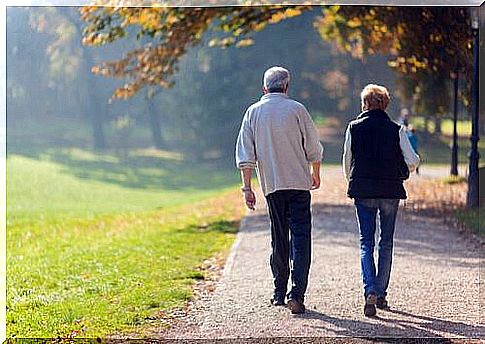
(475, 17)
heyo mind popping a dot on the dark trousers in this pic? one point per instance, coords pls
(290, 215)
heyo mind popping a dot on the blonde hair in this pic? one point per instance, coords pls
(374, 97)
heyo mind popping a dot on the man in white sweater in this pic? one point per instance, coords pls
(279, 139)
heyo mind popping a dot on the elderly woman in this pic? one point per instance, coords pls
(377, 158)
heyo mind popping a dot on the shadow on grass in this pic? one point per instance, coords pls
(220, 226)
(153, 169)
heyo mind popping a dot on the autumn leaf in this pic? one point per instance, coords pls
(245, 43)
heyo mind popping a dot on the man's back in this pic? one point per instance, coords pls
(278, 134)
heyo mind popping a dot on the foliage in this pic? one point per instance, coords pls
(63, 52)
(421, 41)
(425, 44)
(173, 31)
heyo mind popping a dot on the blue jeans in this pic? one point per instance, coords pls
(366, 209)
(290, 215)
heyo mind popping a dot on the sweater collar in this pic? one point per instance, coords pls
(374, 113)
(274, 95)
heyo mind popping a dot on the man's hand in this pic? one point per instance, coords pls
(315, 175)
(315, 181)
(250, 199)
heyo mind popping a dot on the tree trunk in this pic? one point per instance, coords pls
(94, 104)
(437, 125)
(99, 141)
(155, 125)
(426, 124)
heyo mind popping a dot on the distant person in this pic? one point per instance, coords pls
(413, 139)
(278, 137)
(377, 157)
(404, 117)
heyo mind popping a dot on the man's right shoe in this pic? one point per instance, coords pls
(370, 305)
(381, 303)
(296, 306)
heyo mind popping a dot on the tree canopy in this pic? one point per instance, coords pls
(420, 41)
(173, 31)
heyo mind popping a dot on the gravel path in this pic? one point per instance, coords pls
(434, 289)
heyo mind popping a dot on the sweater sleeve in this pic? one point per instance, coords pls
(347, 156)
(311, 144)
(410, 157)
(245, 147)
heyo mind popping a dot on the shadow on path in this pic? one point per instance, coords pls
(416, 235)
(409, 326)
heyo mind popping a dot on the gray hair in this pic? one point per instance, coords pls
(276, 78)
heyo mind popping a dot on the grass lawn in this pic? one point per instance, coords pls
(472, 219)
(464, 127)
(96, 245)
(53, 187)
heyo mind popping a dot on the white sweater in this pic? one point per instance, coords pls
(278, 137)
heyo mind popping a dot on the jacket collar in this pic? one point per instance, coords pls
(274, 95)
(374, 113)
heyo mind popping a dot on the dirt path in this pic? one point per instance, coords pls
(434, 289)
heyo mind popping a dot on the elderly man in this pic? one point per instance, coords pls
(278, 137)
(377, 158)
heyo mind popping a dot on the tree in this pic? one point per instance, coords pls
(426, 45)
(56, 66)
(419, 41)
(158, 141)
(174, 31)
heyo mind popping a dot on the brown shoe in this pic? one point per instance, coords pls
(381, 303)
(296, 306)
(370, 305)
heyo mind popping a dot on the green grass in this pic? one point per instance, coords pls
(436, 149)
(472, 219)
(97, 245)
(87, 185)
(453, 180)
(464, 127)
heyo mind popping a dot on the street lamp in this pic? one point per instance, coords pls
(454, 143)
(473, 193)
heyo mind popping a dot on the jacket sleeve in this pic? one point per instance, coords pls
(245, 146)
(311, 144)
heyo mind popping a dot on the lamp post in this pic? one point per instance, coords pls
(454, 142)
(472, 195)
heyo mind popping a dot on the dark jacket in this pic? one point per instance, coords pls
(376, 169)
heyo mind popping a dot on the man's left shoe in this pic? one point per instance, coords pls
(381, 303)
(296, 306)
(278, 300)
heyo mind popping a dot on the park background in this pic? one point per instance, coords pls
(114, 204)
